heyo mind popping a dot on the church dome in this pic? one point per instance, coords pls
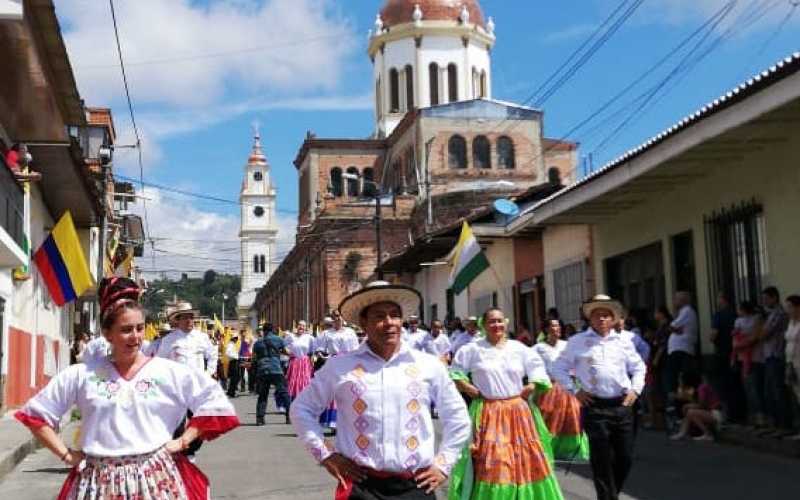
(402, 11)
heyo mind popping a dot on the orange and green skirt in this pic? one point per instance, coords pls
(561, 412)
(509, 457)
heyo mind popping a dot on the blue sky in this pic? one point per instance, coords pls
(203, 72)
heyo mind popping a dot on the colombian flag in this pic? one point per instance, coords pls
(61, 263)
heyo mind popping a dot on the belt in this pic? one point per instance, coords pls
(607, 402)
(343, 490)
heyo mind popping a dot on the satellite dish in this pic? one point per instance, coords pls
(505, 210)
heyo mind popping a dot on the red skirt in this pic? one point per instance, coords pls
(298, 375)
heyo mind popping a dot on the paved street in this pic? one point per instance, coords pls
(268, 463)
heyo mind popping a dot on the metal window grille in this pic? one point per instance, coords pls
(568, 284)
(737, 252)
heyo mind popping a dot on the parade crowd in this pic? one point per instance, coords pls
(363, 392)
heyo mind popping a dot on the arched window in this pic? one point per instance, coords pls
(263, 261)
(553, 175)
(475, 83)
(457, 152)
(484, 87)
(452, 82)
(506, 157)
(369, 187)
(481, 152)
(433, 76)
(336, 182)
(409, 87)
(255, 264)
(394, 89)
(352, 184)
(378, 97)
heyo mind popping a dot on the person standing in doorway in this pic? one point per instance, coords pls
(682, 341)
(610, 376)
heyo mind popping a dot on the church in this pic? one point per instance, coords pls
(443, 148)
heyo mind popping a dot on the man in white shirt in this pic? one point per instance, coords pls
(436, 342)
(232, 353)
(385, 446)
(471, 334)
(338, 339)
(682, 340)
(415, 335)
(610, 375)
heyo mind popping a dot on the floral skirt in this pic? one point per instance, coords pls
(562, 415)
(507, 459)
(152, 476)
(298, 375)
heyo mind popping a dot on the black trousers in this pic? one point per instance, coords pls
(383, 488)
(263, 383)
(233, 377)
(609, 427)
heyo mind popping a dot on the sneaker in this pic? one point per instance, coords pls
(704, 437)
(677, 437)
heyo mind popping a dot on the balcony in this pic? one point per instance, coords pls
(12, 235)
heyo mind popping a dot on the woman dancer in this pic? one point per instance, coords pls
(300, 346)
(560, 410)
(130, 404)
(508, 456)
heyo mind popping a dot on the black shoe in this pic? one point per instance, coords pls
(260, 422)
(288, 420)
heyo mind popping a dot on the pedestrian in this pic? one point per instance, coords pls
(792, 337)
(469, 335)
(78, 347)
(723, 379)
(269, 373)
(508, 456)
(338, 339)
(776, 394)
(437, 343)
(188, 346)
(702, 409)
(611, 376)
(299, 345)
(384, 447)
(414, 335)
(232, 353)
(682, 341)
(749, 360)
(129, 404)
(246, 375)
(656, 383)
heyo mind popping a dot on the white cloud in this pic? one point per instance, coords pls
(748, 15)
(569, 33)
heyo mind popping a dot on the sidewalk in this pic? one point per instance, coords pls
(16, 442)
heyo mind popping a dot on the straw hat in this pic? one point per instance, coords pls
(602, 302)
(380, 291)
(182, 308)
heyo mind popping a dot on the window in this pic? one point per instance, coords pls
(409, 87)
(475, 83)
(258, 176)
(433, 76)
(481, 152)
(553, 176)
(457, 152)
(263, 262)
(336, 187)
(484, 87)
(568, 284)
(505, 153)
(352, 184)
(255, 264)
(452, 82)
(736, 246)
(378, 97)
(394, 89)
(258, 211)
(369, 187)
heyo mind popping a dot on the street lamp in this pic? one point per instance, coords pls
(377, 196)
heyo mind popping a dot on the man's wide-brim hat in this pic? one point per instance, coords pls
(376, 292)
(602, 302)
(182, 308)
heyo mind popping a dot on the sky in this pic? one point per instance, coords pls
(201, 74)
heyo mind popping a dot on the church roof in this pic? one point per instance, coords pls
(396, 12)
(257, 155)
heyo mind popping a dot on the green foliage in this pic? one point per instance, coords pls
(204, 293)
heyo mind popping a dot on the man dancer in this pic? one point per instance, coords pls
(269, 372)
(437, 343)
(190, 347)
(232, 352)
(611, 375)
(415, 336)
(385, 444)
(471, 334)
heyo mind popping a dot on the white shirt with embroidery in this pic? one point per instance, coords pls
(128, 417)
(193, 349)
(299, 345)
(550, 353)
(383, 411)
(438, 346)
(414, 339)
(333, 342)
(606, 367)
(497, 371)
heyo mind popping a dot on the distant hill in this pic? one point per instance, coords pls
(204, 293)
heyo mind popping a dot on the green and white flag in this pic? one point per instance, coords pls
(467, 261)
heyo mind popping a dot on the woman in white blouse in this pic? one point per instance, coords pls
(300, 346)
(793, 351)
(509, 456)
(130, 405)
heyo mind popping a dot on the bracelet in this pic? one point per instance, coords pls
(64, 456)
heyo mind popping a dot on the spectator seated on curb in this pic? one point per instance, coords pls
(701, 409)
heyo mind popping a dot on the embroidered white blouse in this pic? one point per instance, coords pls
(550, 353)
(193, 349)
(605, 367)
(383, 411)
(128, 417)
(438, 346)
(497, 371)
(333, 342)
(299, 346)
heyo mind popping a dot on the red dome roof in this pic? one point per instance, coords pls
(401, 11)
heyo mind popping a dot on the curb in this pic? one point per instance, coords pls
(11, 458)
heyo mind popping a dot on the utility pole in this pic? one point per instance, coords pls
(378, 246)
